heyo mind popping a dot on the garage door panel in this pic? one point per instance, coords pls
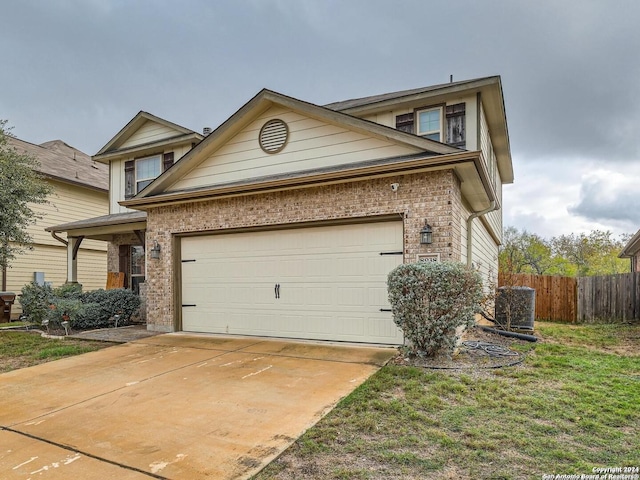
(332, 282)
(353, 296)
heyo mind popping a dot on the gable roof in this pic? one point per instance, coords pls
(490, 89)
(65, 163)
(430, 155)
(259, 104)
(114, 146)
(632, 248)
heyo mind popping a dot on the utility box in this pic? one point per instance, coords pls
(517, 304)
(6, 300)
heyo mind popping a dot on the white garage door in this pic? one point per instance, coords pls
(325, 283)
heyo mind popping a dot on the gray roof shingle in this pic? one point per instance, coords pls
(63, 162)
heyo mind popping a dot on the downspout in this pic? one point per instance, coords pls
(61, 240)
(492, 207)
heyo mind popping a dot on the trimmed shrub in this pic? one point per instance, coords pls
(94, 309)
(35, 301)
(430, 300)
(41, 302)
(71, 291)
(119, 301)
(92, 316)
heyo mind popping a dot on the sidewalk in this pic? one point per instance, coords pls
(116, 335)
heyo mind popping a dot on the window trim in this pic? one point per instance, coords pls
(441, 129)
(131, 179)
(138, 180)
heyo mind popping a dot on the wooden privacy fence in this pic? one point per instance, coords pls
(609, 297)
(555, 296)
(585, 299)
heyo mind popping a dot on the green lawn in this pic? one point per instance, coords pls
(19, 349)
(573, 405)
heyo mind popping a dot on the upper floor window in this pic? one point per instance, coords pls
(141, 172)
(147, 169)
(445, 125)
(430, 123)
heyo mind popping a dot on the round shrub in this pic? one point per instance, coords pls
(35, 301)
(119, 301)
(430, 300)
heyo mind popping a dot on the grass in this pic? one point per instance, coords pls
(13, 324)
(571, 406)
(24, 349)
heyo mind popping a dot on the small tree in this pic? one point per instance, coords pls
(430, 300)
(20, 187)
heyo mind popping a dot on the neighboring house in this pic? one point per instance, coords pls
(632, 251)
(286, 219)
(80, 189)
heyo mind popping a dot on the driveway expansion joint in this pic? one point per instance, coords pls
(80, 452)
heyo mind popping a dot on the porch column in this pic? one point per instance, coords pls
(72, 258)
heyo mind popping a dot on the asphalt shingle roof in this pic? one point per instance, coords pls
(63, 162)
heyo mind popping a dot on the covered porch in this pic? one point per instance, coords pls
(125, 235)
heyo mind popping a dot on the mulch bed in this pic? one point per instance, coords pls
(478, 350)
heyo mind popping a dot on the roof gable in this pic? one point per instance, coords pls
(232, 150)
(312, 145)
(145, 129)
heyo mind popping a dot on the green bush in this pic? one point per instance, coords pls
(94, 309)
(430, 300)
(119, 301)
(35, 301)
(92, 316)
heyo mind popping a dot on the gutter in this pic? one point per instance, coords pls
(492, 206)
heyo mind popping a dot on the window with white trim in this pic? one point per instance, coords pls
(147, 169)
(141, 172)
(444, 124)
(430, 123)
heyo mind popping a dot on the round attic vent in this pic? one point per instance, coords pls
(273, 136)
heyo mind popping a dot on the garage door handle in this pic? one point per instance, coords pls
(188, 304)
(277, 290)
(386, 310)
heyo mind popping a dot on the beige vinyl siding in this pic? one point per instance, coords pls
(150, 132)
(52, 260)
(68, 203)
(312, 144)
(389, 118)
(117, 187)
(485, 250)
(494, 218)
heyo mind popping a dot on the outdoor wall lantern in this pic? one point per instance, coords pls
(426, 234)
(155, 251)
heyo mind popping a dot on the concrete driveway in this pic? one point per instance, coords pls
(173, 406)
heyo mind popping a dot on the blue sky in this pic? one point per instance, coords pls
(79, 70)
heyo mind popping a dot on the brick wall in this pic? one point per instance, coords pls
(113, 249)
(433, 196)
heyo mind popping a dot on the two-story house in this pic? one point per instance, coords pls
(79, 189)
(286, 219)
